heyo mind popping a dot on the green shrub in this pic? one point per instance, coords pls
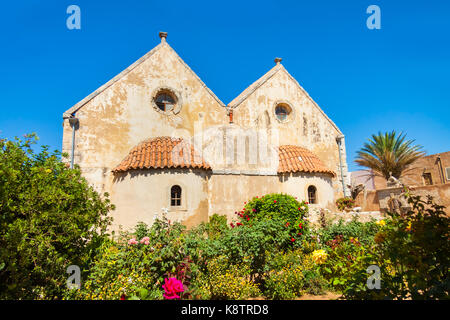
(411, 251)
(224, 280)
(253, 243)
(363, 231)
(216, 226)
(134, 267)
(314, 282)
(282, 207)
(116, 274)
(284, 284)
(343, 257)
(50, 218)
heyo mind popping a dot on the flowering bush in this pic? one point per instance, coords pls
(345, 203)
(364, 231)
(412, 253)
(294, 278)
(224, 280)
(276, 206)
(286, 283)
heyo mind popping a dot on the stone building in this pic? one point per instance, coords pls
(156, 137)
(429, 175)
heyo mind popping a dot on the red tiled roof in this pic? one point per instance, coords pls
(298, 159)
(157, 153)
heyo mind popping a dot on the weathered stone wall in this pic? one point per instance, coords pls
(413, 174)
(307, 126)
(122, 115)
(140, 194)
(119, 115)
(376, 200)
(368, 200)
(229, 192)
(440, 194)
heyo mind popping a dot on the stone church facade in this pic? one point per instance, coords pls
(156, 137)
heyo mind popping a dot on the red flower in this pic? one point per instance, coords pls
(299, 233)
(292, 239)
(248, 219)
(300, 225)
(274, 201)
(232, 225)
(172, 286)
(254, 210)
(122, 297)
(287, 223)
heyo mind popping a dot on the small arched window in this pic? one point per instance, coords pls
(282, 112)
(312, 194)
(175, 196)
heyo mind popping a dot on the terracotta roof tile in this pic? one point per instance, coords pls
(157, 153)
(289, 160)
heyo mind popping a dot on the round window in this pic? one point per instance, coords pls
(165, 101)
(282, 112)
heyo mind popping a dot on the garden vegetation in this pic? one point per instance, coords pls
(50, 218)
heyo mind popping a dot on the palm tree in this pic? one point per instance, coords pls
(388, 154)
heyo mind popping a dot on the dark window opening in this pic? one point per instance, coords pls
(165, 101)
(282, 112)
(427, 179)
(175, 196)
(312, 197)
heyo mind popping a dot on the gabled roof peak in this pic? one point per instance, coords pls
(163, 36)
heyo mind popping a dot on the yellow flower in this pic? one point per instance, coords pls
(408, 227)
(319, 256)
(381, 223)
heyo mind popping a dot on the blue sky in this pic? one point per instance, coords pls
(365, 80)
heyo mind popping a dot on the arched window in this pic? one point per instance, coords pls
(175, 196)
(282, 112)
(312, 194)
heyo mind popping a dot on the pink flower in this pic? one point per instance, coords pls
(145, 240)
(172, 286)
(254, 210)
(274, 201)
(132, 241)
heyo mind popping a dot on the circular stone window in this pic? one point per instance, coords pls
(165, 100)
(282, 112)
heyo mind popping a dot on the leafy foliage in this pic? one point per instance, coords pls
(412, 253)
(282, 207)
(50, 218)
